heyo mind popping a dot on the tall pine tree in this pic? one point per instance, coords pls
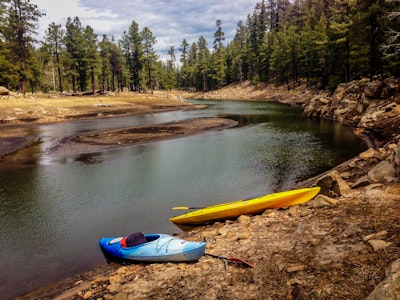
(18, 30)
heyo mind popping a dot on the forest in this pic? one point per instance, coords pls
(286, 42)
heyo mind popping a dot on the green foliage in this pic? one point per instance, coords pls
(324, 42)
(149, 57)
(18, 24)
(52, 44)
(131, 45)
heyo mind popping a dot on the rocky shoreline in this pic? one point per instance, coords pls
(344, 244)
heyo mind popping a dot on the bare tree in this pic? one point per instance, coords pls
(392, 46)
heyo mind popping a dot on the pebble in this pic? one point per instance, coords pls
(87, 295)
(223, 232)
(295, 268)
(375, 236)
(244, 219)
(379, 244)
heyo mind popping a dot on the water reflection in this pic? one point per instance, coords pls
(56, 209)
(90, 158)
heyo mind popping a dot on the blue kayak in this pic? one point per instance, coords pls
(154, 248)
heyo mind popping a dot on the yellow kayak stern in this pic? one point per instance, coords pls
(241, 207)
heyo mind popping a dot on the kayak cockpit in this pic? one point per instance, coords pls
(134, 239)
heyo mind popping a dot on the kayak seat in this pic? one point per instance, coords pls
(135, 239)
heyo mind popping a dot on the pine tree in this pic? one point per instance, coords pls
(73, 59)
(239, 44)
(184, 72)
(91, 57)
(105, 64)
(202, 62)
(338, 32)
(253, 46)
(169, 75)
(219, 63)
(281, 57)
(365, 36)
(19, 25)
(193, 62)
(118, 71)
(53, 40)
(149, 57)
(131, 43)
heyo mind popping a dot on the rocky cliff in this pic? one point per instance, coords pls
(373, 107)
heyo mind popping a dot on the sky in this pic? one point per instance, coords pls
(170, 21)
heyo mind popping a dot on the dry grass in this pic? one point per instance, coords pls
(52, 108)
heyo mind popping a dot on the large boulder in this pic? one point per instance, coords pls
(394, 159)
(333, 185)
(389, 289)
(382, 123)
(374, 89)
(383, 172)
(391, 88)
(316, 106)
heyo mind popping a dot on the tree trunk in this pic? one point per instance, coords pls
(93, 83)
(59, 72)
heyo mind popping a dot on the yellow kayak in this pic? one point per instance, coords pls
(241, 207)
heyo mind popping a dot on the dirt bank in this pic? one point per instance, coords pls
(39, 109)
(338, 246)
(43, 108)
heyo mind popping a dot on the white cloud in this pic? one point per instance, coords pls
(170, 21)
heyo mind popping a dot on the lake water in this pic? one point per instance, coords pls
(54, 210)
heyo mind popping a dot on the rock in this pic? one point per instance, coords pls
(324, 100)
(332, 185)
(373, 195)
(293, 211)
(224, 231)
(345, 175)
(87, 295)
(382, 123)
(114, 279)
(310, 111)
(115, 287)
(391, 86)
(368, 154)
(4, 91)
(295, 268)
(322, 200)
(121, 296)
(394, 159)
(123, 270)
(243, 235)
(361, 182)
(375, 236)
(244, 219)
(390, 287)
(382, 172)
(379, 244)
(374, 89)
(269, 213)
(295, 281)
(97, 282)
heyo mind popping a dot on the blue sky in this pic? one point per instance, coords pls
(170, 21)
